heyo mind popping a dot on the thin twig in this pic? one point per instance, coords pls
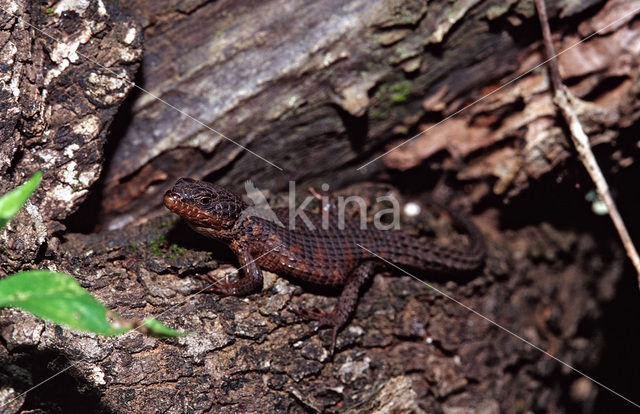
(564, 99)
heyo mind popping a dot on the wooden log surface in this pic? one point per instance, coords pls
(315, 92)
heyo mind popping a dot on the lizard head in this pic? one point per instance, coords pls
(208, 208)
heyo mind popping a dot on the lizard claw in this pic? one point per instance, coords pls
(217, 286)
(240, 287)
(313, 331)
(220, 288)
(325, 320)
(315, 314)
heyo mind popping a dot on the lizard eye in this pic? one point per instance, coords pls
(206, 201)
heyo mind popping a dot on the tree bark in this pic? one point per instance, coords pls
(311, 91)
(65, 71)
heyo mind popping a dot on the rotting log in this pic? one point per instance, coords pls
(319, 89)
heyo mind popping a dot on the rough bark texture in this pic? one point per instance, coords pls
(318, 89)
(58, 99)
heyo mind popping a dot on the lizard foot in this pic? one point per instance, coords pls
(241, 287)
(325, 320)
(219, 287)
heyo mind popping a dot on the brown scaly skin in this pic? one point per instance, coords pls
(327, 256)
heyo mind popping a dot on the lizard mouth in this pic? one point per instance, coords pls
(173, 202)
(193, 214)
(190, 212)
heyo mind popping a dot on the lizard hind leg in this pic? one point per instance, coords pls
(338, 317)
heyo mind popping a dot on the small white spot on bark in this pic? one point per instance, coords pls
(128, 55)
(67, 50)
(79, 6)
(328, 60)
(293, 101)
(97, 376)
(89, 127)
(86, 178)
(71, 149)
(66, 194)
(107, 81)
(15, 86)
(101, 9)
(130, 36)
(55, 72)
(107, 89)
(49, 157)
(77, 179)
(70, 174)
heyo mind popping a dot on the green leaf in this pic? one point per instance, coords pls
(157, 329)
(56, 297)
(60, 298)
(11, 202)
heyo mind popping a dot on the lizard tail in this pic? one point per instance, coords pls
(403, 249)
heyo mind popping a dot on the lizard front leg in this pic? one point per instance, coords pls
(345, 307)
(251, 282)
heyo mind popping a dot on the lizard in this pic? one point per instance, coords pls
(335, 255)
